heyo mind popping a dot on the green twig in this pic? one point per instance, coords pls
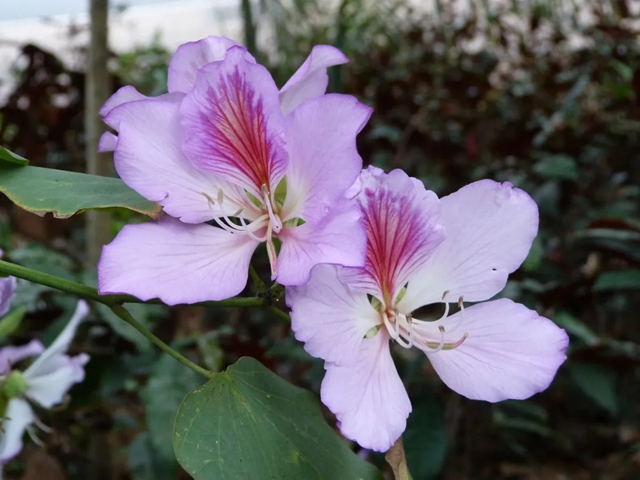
(122, 312)
(257, 281)
(114, 302)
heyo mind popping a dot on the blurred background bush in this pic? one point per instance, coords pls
(541, 93)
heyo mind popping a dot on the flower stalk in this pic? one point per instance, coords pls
(114, 302)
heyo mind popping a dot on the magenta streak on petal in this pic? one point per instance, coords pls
(238, 132)
(397, 241)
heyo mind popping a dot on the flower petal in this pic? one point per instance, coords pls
(490, 227)
(149, 158)
(339, 239)
(48, 388)
(401, 221)
(510, 352)
(176, 263)
(328, 318)
(191, 56)
(11, 355)
(7, 287)
(18, 417)
(233, 124)
(107, 143)
(123, 95)
(367, 396)
(311, 79)
(323, 159)
(60, 345)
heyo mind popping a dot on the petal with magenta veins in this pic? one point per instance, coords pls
(148, 157)
(490, 227)
(367, 396)
(311, 79)
(331, 320)
(175, 262)
(323, 159)
(233, 123)
(510, 352)
(192, 56)
(401, 222)
(338, 238)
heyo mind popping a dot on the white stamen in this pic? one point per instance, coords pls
(275, 220)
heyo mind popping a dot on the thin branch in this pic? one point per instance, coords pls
(122, 312)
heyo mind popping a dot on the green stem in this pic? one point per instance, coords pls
(91, 293)
(257, 281)
(115, 303)
(122, 312)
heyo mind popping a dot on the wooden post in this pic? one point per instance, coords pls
(97, 90)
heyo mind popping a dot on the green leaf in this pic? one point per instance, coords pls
(576, 328)
(558, 167)
(162, 395)
(597, 383)
(144, 462)
(249, 423)
(425, 439)
(618, 280)
(43, 190)
(9, 156)
(11, 321)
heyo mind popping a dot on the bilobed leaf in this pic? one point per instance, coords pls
(43, 190)
(249, 423)
(9, 156)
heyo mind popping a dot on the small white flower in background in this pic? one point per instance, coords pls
(44, 383)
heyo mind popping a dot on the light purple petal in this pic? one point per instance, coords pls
(339, 239)
(49, 386)
(323, 159)
(367, 396)
(175, 262)
(149, 159)
(233, 124)
(11, 355)
(18, 417)
(510, 352)
(60, 345)
(311, 79)
(7, 287)
(490, 227)
(108, 142)
(328, 318)
(123, 95)
(401, 221)
(191, 56)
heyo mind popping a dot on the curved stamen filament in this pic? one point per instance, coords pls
(224, 221)
(275, 220)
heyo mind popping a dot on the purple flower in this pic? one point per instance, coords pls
(224, 146)
(45, 382)
(7, 287)
(422, 251)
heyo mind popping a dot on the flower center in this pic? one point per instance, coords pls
(408, 331)
(267, 222)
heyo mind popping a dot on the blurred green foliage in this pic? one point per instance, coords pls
(542, 94)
